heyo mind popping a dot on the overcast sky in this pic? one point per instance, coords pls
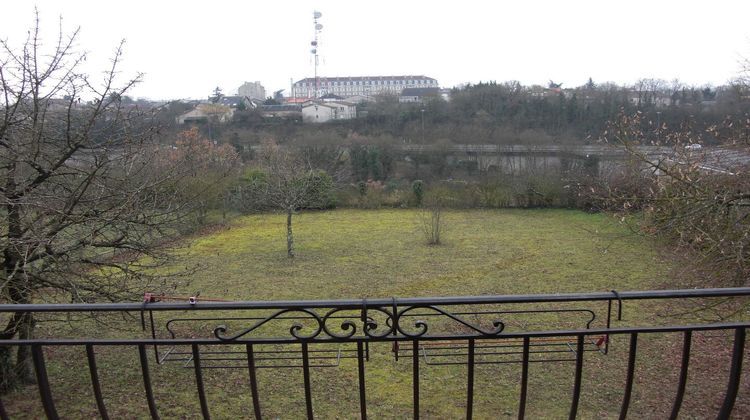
(186, 48)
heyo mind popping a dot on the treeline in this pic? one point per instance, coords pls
(512, 113)
(497, 113)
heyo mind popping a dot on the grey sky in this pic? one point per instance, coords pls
(186, 48)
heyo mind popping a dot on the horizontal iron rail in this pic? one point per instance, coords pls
(390, 338)
(381, 302)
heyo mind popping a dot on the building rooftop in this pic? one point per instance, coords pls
(277, 108)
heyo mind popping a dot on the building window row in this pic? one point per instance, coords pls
(370, 83)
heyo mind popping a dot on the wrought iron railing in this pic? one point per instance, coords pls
(470, 331)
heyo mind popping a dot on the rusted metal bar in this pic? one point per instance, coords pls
(734, 374)
(43, 382)
(199, 382)
(470, 382)
(577, 382)
(361, 376)
(686, 342)
(147, 382)
(253, 380)
(629, 378)
(306, 378)
(524, 379)
(90, 355)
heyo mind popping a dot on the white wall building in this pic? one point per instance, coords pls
(320, 112)
(253, 90)
(204, 112)
(351, 86)
(418, 95)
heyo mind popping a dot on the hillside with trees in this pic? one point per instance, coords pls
(496, 113)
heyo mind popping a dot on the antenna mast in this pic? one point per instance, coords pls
(318, 27)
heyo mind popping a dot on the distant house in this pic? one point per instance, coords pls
(281, 111)
(545, 92)
(445, 94)
(235, 101)
(418, 95)
(320, 112)
(330, 97)
(298, 101)
(358, 99)
(252, 90)
(646, 98)
(203, 112)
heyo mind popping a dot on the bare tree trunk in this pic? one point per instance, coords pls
(289, 234)
(224, 205)
(22, 371)
(18, 292)
(7, 373)
(24, 363)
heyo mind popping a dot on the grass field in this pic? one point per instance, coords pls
(367, 254)
(355, 254)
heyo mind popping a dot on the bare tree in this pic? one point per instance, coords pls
(86, 192)
(432, 216)
(694, 197)
(744, 76)
(290, 183)
(673, 90)
(206, 167)
(648, 91)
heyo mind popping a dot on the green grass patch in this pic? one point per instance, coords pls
(354, 253)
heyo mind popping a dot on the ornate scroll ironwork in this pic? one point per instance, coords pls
(323, 327)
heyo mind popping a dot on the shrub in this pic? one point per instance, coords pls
(432, 215)
(250, 194)
(492, 193)
(321, 195)
(418, 188)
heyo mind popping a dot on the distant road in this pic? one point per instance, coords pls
(722, 159)
(712, 158)
(551, 149)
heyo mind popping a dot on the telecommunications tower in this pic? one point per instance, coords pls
(318, 27)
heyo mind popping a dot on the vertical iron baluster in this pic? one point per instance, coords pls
(147, 382)
(199, 382)
(95, 381)
(153, 334)
(629, 379)
(687, 340)
(361, 374)
(306, 375)
(609, 323)
(367, 351)
(577, 384)
(415, 376)
(734, 373)
(524, 379)
(253, 380)
(470, 384)
(43, 382)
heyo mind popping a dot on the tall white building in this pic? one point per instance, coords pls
(368, 85)
(253, 90)
(320, 112)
